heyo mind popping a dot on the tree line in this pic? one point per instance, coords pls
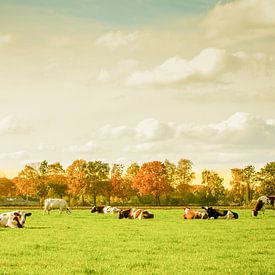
(96, 182)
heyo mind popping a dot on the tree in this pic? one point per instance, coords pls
(7, 188)
(237, 192)
(117, 181)
(184, 176)
(57, 180)
(77, 178)
(249, 176)
(27, 181)
(266, 179)
(214, 185)
(97, 179)
(152, 180)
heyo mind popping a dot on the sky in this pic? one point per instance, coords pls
(141, 80)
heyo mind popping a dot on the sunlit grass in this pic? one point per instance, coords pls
(85, 243)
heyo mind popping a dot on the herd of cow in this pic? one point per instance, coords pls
(16, 219)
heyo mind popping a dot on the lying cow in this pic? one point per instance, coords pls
(61, 204)
(104, 209)
(133, 213)
(193, 214)
(14, 219)
(215, 213)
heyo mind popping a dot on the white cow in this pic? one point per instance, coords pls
(60, 204)
(14, 219)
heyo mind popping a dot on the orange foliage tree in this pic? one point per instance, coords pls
(7, 187)
(77, 178)
(152, 180)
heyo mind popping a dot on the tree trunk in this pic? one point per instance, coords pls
(94, 198)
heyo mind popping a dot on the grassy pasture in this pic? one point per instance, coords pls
(85, 243)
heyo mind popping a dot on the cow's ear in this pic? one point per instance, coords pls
(28, 214)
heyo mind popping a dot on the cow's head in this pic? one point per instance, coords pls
(19, 218)
(94, 209)
(147, 215)
(254, 213)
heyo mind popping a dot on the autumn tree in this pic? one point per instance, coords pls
(214, 185)
(7, 188)
(152, 180)
(128, 177)
(57, 180)
(76, 173)
(27, 180)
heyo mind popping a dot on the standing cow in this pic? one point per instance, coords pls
(60, 204)
(260, 205)
(14, 219)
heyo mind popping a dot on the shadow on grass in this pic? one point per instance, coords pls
(37, 227)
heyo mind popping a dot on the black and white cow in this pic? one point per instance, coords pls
(260, 205)
(133, 213)
(104, 209)
(14, 219)
(215, 213)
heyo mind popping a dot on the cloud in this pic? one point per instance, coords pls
(109, 132)
(88, 147)
(5, 39)
(152, 129)
(12, 125)
(240, 20)
(116, 39)
(208, 64)
(18, 155)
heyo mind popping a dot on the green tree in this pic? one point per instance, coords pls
(97, 179)
(266, 179)
(184, 176)
(214, 185)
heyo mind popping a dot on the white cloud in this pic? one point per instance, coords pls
(18, 155)
(5, 39)
(116, 39)
(12, 125)
(109, 132)
(152, 129)
(208, 64)
(241, 20)
(88, 147)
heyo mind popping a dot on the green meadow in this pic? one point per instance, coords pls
(85, 243)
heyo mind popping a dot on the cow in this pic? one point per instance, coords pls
(192, 214)
(133, 213)
(104, 209)
(61, 204)
(215, 213)
(14, 219)
(260, 205)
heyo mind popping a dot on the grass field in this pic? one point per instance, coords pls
(85, 243)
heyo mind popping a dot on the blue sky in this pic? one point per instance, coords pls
(120, 12)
